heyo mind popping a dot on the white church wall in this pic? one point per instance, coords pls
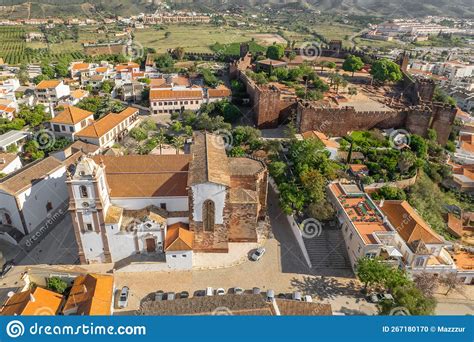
(121, 244)
(33, 201)
(214, 192)
(172, 220)
(180, 260)
(8, 203)
(172, 203)
(93, 247)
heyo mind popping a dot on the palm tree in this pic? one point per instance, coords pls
(160, 139)
(178, 143)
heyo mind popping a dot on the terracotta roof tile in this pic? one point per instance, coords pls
(91, 294)
(6, 159)
(48, 84)
(220, 91)
(46, 303)
(105, 124)
(179, 238)
(146, 176)
(168, 94)
(71, 115)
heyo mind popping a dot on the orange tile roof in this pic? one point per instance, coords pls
(78, 93)
(358, 168)
(48, 84)
(179, 238)
(365, 224)
(36, 302)
(80, 66)
(104, 125)
(127, 66)
(161, 94)
(455, 225)
(71, 115)
(6, 108)
(220, 91)
(101, 69)
(410, 226)
(322, 137)
(91, 295)
(157, 82)
(146, 176)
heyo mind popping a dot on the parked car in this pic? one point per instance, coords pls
(159, 296)
(270, 295)
(257, 255)
(296, 296)
(220, 291)
(209, 291)
(282, 296)
(238, 290)
(199, 293)
(170, 296)
(123, 299)
(378, 297)
(183, 294)
(6, 268)
(308, 299)
(256, 290)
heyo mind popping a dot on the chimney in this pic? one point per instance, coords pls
(32, 298)
(381, 203)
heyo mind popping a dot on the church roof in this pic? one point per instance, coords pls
(146, 176)
(210, 162)
(179, 238)
(36, 302)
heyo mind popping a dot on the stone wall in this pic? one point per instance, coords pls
(340, 121)
(243, 222)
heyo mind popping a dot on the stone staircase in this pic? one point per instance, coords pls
(328, 250)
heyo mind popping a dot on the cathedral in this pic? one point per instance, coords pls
(166, 206)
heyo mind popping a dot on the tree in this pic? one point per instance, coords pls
(419, 146)
(178, 144)
(107, 86)
(426, 283)
(138, 134)
(277, 170)
(390, 193)
(160, 140)
(452, 282)
(322, 211)
(275, 51)
(370, 271)
(406, 160)
(384, 70)
(352, 64)
(164, 61)
(56, 284)
(412, 299)
(179, 53)
(314, 185)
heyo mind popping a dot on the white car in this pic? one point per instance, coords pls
(308, 298)
(258, 254)
(123, 299)
(220, 292)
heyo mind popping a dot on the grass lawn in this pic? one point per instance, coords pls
(335, 31)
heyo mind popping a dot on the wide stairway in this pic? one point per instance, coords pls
(328, 250)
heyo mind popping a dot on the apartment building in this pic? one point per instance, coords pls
(390, 230)
(50, 92)
(108, 129)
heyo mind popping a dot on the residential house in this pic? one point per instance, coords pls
(91, 295)
(70, 121)
(220, 93)
(108, 129)
(13, 139)
(51, 92)
(330, 144)
(392, 231)
(35, 302)
(7, 112)
(168, 101)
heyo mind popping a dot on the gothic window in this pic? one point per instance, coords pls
(208, 215)
(83, 191)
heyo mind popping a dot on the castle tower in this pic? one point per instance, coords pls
(88, 204)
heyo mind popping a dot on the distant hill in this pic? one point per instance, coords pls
(388, 8)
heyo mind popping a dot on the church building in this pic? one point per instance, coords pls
(166, 206)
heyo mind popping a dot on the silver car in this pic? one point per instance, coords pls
(258, 254)
(123, 299)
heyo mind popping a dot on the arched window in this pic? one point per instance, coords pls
(83, 191)
(208, 215)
